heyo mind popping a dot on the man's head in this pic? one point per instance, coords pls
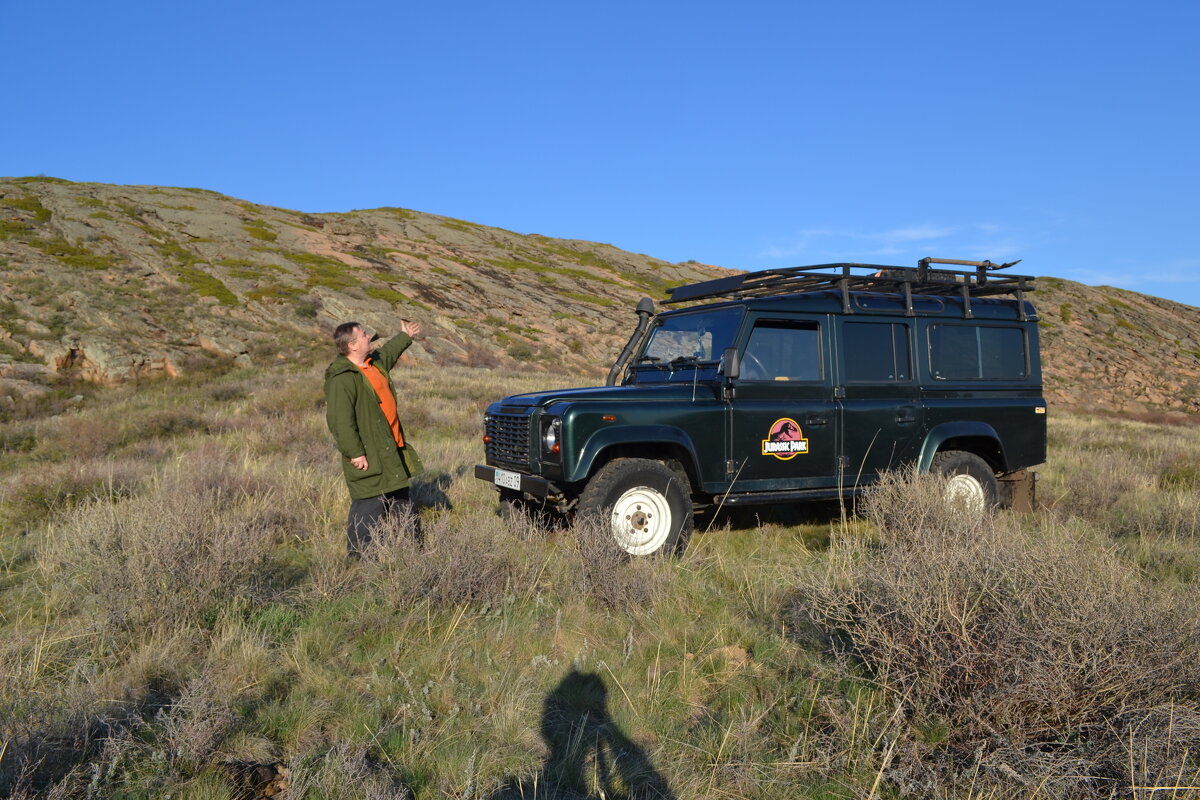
(350, 339)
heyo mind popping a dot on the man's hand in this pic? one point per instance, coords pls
(359, 462)
(411, 328)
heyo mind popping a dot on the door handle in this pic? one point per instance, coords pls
(905, 419)
(816, 422)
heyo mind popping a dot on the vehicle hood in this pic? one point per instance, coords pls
(680, 391)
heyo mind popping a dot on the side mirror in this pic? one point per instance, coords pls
(731, 364)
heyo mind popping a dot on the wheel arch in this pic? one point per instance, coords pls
(979, 438)
(656, 442)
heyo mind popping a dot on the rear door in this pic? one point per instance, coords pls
(782, 429)
(881, 414)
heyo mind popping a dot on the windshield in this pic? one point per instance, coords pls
(697, 336)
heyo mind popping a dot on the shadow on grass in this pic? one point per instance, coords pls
(822, 512)
(589, 755)
(429, 490)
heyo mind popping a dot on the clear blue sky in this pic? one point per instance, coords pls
(750, 135)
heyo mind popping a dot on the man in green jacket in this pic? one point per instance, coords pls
(360, 408)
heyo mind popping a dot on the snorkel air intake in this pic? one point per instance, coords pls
(645, 312)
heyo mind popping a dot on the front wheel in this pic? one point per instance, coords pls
(646, 504)
(970, 483)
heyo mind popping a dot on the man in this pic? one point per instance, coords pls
(360, 408)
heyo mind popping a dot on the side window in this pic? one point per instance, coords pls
(876, 352)
(783, 350)
(977, 352)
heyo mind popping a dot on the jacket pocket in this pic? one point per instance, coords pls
(352, 473)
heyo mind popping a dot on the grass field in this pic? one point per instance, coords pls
(175, 600)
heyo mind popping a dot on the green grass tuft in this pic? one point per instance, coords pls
(259, 230)
(30, 204)
(206, 284)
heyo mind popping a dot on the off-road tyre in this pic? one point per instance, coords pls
(646, 504)
(969, 480)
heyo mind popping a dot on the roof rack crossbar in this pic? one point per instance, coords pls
(847, 277)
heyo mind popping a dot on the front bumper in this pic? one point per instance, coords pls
(529, 484)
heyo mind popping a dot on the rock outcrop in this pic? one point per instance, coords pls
(114, 283)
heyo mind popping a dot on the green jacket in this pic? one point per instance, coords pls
(359, 427)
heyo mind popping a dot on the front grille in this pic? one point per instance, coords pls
(509, 444)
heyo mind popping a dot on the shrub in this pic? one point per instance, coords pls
(31, 496)
(1013, 643)
(479, 355)
(446, 561)
(522, 351)
(602, 570)
(345, 772)
(17, 438)
(171, 556)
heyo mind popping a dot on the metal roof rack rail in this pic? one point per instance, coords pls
(847, 277)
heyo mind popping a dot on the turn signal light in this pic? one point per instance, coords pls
(555, 448)
(487, 439)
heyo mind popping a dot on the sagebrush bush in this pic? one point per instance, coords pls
(446, 561)
(170, 556)
(345, 772)
(33, 495)
(1008, 638)
(604, 572)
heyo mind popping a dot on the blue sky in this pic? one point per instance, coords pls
(750, 135)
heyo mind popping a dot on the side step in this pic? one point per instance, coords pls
(793, 496)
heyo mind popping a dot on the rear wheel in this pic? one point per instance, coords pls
(970, 483)
(646, 505)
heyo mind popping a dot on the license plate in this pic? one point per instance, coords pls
(509, 480)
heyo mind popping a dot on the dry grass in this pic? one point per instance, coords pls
(174, 596)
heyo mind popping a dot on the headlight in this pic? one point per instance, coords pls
(552, 435)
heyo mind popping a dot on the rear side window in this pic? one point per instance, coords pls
(977, 352)
(876, 352)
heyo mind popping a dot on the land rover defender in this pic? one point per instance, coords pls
(788, 385)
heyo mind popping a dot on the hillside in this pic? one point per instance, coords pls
(111, 283)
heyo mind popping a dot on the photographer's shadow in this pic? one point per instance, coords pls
(589, 756)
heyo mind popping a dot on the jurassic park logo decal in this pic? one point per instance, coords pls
(785, 440)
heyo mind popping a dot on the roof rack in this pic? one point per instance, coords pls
(846, 277)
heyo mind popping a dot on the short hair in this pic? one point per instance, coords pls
(342, 335)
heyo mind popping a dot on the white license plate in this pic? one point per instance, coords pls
(509, 480)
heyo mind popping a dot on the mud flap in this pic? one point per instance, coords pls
(1018, 490)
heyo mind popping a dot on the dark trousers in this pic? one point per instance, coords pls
(369, 513)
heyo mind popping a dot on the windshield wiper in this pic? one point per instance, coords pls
(650, 361)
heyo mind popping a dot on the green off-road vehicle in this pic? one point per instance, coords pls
(788, 385)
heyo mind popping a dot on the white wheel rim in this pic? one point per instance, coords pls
(967, 493)
(641, 521)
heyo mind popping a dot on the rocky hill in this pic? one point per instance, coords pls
(111, 283)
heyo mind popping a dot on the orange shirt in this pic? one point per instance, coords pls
(387, 403)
